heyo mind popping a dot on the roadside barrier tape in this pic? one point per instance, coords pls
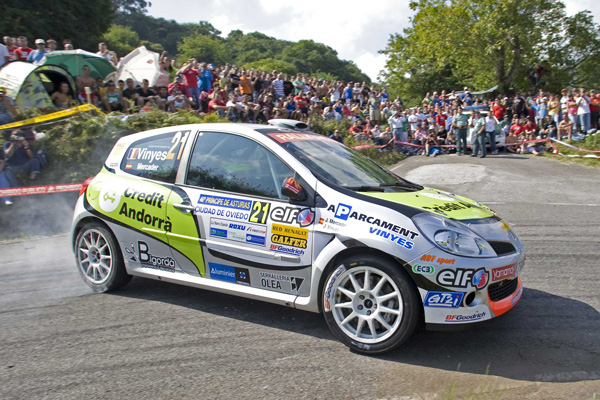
(371, 146)
(470, 145)
(574, 147)
(52, 116)
(45, 189)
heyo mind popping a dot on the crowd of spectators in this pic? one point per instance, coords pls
(442, 123)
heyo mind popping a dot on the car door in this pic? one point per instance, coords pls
(248, 232)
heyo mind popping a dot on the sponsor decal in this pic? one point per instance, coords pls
(441, 261)
(300, 233)
(118, 149)
(288, 241)
(226, 202)
(148, 260)
(287, 250)
(244, 233)
(228, 273)
(109, 199)
(463, 278)
(517, 296)
(329, 286)
(293, 185)
(343, 212)
(113, 165)
(449, 207)
(423, 269)
(392, 237)
(269, 280)
(221, 213)
(508, 271)
(153, 199)
(466, 318)
(331, 224)
(292, 215)
(293, 137)
(144, 167)
(505, 226)
(437, 196)
(443, 299)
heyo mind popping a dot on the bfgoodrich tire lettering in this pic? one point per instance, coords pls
(99, 259)
(370, 304)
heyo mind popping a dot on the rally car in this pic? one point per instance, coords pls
(294, 218)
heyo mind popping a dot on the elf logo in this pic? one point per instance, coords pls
(463, 278)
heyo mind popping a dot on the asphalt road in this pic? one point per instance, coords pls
(157, 340)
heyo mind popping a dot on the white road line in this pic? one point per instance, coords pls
(550, 204)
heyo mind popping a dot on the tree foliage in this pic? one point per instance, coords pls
(121, 39)
(483, 43)
(82, 21)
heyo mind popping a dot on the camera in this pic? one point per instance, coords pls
(17, 138)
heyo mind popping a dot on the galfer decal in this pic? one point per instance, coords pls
(423, 269)
(392, 237)
(343, 212)
(463, 278)
(272, 280)
(443, 299)
(508, 271)
(288, 241)
(327, 295)
(228, 273)
(440, 261)
(466, 318)
(292, 215)
(226, 202)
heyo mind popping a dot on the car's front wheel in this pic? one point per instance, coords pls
(370, 304)
(99, 259)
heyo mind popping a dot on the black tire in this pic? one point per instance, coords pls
(99, 258)
(397, 294)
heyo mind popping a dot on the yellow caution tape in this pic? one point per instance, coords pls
(52, 116)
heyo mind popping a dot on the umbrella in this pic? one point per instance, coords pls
(138, 65)
(74, 60)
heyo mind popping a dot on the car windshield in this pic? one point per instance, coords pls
(339, 165)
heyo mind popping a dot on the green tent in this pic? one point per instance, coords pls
(30, 86)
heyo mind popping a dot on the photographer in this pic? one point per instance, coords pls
(7, 110)
(19, 157)
(4, 180)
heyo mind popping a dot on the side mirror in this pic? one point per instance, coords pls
(292, 189)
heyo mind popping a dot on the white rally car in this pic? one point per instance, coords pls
(294, 218)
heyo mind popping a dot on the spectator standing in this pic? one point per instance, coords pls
(86, 81)
(190, 74)
(572, 108)
(51, 45)
(7, 109)
(348, 93)
(479, 130)
(36, 55)
(375, 108)
(4, 184)
(103, 51)
(554, 108)
(519, 106)
(4, 55)
(564, 108)
(396, 122)
(498, 110)
(245, 84)
(594, 109)
(23, 51)
(459, 123)
(299, 85)
(178, 84)
(278, 86)
(583, 110)
(9, 41)
(490, 131)
(163, 74)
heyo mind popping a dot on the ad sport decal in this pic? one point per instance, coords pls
(463, 278)
(443, 299)
(228, 273)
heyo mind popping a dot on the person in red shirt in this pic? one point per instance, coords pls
(516, 129)
(10, 46)
(498, 110)
(217, 105)
(530, 127)
(178, 84)
(301, 106)
(440, 121)
(190, 73)
(594, 108)
(23, 51)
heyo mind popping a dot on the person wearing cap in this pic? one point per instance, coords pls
(50, 45)
(23, 51)
(36, 55)
(178, 84)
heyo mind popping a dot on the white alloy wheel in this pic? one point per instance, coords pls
(95, 256)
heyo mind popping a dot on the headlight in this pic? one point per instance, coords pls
(452, 236)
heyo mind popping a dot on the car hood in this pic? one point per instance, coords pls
(437, 201)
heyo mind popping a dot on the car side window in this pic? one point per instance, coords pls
(156, 157)
(234, 163)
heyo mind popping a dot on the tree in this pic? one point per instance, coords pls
(131, 6)
(478, 43)
(82, 21)
(270, 64)
(121, 39)
(202, 48)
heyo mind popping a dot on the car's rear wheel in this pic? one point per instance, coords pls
(370, 304)
(99, 259)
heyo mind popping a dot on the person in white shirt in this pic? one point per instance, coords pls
(490, 130)
(4, 55)
(583, 110)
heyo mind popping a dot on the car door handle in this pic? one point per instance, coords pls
(185, 207)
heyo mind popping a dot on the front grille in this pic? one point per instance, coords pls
(502, 289)
(502, 248)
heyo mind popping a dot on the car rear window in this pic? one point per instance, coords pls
(156, 157)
